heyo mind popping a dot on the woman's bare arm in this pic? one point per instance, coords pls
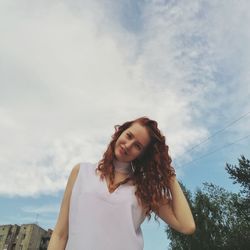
(177, 212)
(59, 236)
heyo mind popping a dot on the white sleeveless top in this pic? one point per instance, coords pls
(99, 220)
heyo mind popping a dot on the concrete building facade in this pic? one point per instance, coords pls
(24, 237)
(8, 235)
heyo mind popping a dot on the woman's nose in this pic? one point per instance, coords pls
(129, 145)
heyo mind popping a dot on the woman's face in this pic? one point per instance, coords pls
(131, 143)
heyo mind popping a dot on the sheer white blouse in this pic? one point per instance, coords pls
(100, 220)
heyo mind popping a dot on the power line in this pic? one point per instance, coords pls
(218, 149)
(217, 132)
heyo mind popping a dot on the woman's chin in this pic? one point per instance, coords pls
(120, 158)
(117, 156)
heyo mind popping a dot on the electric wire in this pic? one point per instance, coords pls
(209, 137)
(216, 150)
(217, 132)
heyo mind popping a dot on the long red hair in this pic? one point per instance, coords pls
(152, 170)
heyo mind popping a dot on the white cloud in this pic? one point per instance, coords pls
(70, 71)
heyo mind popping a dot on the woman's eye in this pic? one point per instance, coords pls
(138, 146)
(128, 135)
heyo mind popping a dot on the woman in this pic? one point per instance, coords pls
(105, 204)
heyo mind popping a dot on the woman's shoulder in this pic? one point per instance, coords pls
(76, 168)
(74, 173)
(83, 166)
(80, 170)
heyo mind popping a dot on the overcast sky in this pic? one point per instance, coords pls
(71, 70)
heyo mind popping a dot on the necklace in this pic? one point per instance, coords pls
(123, 168)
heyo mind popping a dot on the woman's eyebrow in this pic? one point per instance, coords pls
(136, 139)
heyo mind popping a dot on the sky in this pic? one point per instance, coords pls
(72, 70)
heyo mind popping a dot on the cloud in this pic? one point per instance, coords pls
(70, 71)
(50, 208)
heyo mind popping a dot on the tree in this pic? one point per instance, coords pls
(221, 217)
(241, 175)
(215, 216)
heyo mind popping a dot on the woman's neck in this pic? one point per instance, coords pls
(122, 167)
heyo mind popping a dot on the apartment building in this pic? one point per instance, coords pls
(24, 237)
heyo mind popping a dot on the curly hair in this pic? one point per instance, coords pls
(151, 171)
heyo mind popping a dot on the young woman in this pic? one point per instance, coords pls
(104, 204)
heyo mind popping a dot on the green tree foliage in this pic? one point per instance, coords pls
(220, 217)
(241, 175)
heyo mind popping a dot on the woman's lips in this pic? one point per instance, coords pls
(121, 150)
